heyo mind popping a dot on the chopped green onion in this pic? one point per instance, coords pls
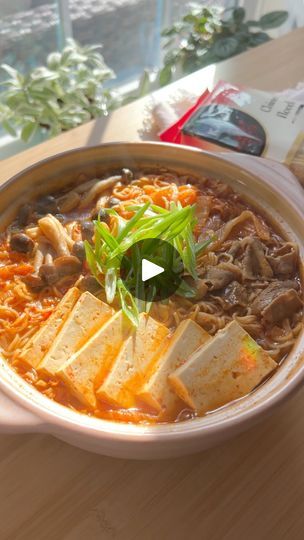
(128, 304)
(149, 222)
(110, 284)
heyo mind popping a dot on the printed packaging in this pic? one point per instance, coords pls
(239, 119)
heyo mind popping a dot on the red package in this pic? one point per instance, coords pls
(242, 120)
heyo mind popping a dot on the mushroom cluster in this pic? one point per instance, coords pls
(50, 235)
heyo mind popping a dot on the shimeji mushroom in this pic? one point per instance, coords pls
(22, 243)
(56, 234)
(69, 202)
(99, 187)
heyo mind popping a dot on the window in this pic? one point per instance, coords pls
(128, 29)
(29, 31)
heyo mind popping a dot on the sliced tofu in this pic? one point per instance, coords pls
(127, 375)
(157, 392)
(125, 358)
(87, 316)
(86, 370)
(228, 367)
(41, 342)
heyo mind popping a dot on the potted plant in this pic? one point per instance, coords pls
(205, 36)
(208, 35)
(65, 93)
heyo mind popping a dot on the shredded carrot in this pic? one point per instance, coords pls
(11, 270)
(149, 189)
(126, 214)
(187, 195)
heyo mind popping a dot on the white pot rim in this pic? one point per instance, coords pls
(48, 416)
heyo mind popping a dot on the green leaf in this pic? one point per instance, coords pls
(273, 19)
(253, 23)
(200, 25)
(190, 18)
(9, 128)
(53, 60)
(226, 47)
(43, 74)
(144, 84)
(238, 15)
(172, 57)
(228, 27)
(175, 29)
(165, 75)
(242, 35)
(11, 71)
(28, 131)
(208, 58)
(169, 43)
(168, 32)
(258, 38)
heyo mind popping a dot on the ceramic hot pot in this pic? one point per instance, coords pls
(270, 187)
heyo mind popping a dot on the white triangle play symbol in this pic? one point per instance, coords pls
(150, 270)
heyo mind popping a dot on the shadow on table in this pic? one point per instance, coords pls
(247, 488)
(97, 132)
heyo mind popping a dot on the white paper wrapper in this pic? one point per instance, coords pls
(159, 115)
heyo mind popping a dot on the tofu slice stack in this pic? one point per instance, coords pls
(157, 392)
(87, 316)
(224, 369)
(127, 375)
(86, 369)
(43, 339)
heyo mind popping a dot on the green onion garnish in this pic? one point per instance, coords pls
(149, 221)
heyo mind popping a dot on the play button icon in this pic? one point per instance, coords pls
(149, 270)
(152, 270)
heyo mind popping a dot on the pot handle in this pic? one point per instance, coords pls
(273, 172)
(16, 419)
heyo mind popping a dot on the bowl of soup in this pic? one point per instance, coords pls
(157, 365)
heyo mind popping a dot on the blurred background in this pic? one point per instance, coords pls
(130, 30)
(130, 34)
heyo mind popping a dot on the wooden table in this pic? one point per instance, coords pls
(249, 488)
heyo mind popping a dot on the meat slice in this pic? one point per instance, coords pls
(235, 248)
(278, 301)
(285, 259)
(234, 295)
(218, 277)
(255, 263)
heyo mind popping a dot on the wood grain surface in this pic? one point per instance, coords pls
(250, 488)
